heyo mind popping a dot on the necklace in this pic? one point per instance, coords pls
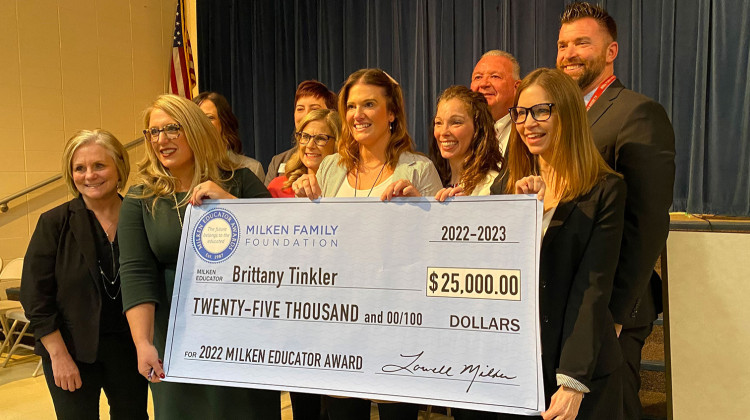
(108, 284)
(177, 208)
(106, 231)
(356, 181)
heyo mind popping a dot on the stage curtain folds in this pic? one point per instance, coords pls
(692, 57)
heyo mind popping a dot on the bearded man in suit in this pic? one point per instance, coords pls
(635, 137)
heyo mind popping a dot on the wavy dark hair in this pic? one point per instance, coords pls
(400, 140)
(483, 154)
(230, 127)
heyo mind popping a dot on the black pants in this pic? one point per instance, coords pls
(305, 406)
(631, 343)
(358, 408)
(116, 371)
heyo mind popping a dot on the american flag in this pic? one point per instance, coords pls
(181, 71)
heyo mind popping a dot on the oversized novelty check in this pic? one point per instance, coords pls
(412, 300)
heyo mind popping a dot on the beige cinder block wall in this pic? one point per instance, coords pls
(69, 65)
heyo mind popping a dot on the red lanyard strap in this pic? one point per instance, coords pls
(604, 85)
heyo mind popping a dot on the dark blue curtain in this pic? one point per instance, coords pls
(692, 57)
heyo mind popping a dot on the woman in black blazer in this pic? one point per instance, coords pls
(70, 288)
(551, 153)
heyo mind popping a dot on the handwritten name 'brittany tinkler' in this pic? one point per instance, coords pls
(475, 370)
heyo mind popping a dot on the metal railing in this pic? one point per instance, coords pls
(4, 202)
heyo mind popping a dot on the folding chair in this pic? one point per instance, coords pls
(6, 306)
(12, 270)
(19, 318)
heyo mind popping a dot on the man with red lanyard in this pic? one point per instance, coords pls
(635, 137)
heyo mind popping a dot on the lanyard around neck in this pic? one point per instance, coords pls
(602, 86)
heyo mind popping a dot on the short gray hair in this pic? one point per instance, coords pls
(104, 139)
(513, 62)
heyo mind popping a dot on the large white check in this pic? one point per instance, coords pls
(412, 300)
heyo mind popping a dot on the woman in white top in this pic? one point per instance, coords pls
(465, 151)
(376, 156)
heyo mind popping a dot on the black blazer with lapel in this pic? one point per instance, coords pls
(636, 139)
(577, 267)
(61, 286)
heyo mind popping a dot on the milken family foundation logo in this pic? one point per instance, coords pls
(216, 235)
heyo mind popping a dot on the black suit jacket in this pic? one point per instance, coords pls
(61, 286)
(636, 139)
(576, 271)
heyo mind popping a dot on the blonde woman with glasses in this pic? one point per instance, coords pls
(316, 138)
(185, 162)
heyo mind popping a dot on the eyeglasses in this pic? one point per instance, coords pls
(319, 139)
(171, 130)
(539, 112)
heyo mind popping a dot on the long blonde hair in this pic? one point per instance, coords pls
(577, 164)
(294, 166)
(209, 151)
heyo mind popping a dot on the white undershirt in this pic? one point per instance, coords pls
(547, 218)
(502, 131)
(347, 190)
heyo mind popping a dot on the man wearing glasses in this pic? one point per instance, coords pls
(635, 137)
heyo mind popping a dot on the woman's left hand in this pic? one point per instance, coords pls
(564, 405)
(208, 190)
(449, 192)
(400, 188)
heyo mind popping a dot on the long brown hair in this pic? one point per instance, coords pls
(483, 154)
(400, 140)
(577, 164)
(230, 127)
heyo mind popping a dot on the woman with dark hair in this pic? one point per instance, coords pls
(551, 154)
(71, 288)
(376, 155)
(185, 163)
(310, 95)
(317, 136)
(465, 151)
(219, 112)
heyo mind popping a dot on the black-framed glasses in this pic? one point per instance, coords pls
(319, 139)
(539, 112)
(171, 130)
